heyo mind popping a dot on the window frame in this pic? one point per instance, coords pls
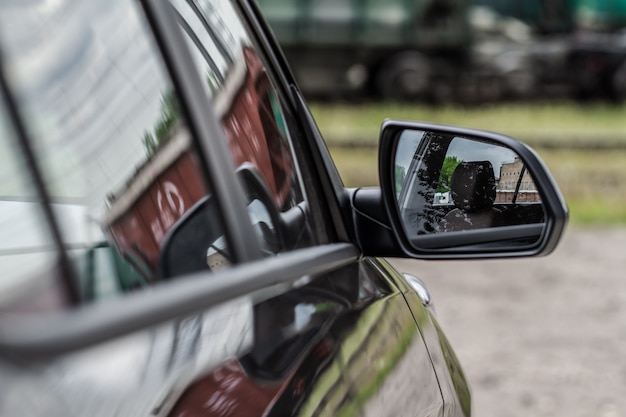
(317, 173)
(42, 337)
(318, 168)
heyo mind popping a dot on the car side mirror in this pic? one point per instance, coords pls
(457, 193)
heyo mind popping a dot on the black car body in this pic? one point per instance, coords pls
(175, 239)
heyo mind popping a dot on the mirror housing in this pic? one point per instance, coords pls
(537, 235)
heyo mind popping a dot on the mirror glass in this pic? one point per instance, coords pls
(448, 183)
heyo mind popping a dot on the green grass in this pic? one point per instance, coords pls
(358, 166)
(597, 213)
(536, 124)
(593, 182)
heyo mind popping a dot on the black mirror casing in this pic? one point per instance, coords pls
(485, 243)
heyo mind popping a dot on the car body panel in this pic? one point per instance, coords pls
(345, 342)
(281, 310)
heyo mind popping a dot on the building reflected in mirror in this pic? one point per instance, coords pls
(513, 189)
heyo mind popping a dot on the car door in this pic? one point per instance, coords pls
(148, 191)
(343, 340)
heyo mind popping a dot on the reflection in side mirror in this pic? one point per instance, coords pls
(456, 188)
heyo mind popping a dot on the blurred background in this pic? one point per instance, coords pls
(541, 337)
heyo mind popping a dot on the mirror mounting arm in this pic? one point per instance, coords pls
(371, 227)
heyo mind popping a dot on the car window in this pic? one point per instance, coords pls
(251, 112)
(115, 150)
(26, 244)
(106, 129)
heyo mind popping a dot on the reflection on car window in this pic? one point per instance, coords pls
(117, 156)
(26, 247)
(106, 128)
(249, 108)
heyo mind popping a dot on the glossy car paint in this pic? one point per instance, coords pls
(365, 360)
(452, 381)
(334, 333)
(343, 343)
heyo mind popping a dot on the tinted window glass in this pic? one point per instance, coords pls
(251, 111)
(106, 128)
(26, 246)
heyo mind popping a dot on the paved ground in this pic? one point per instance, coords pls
(539, 337)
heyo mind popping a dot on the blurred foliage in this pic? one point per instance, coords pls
(592, 181)
(170, 114)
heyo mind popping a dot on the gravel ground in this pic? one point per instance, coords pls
(543, 336)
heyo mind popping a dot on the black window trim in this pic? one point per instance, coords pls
(269, 45)
(198, 44)
(38, 337)
(328, 179)
(331, 183)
